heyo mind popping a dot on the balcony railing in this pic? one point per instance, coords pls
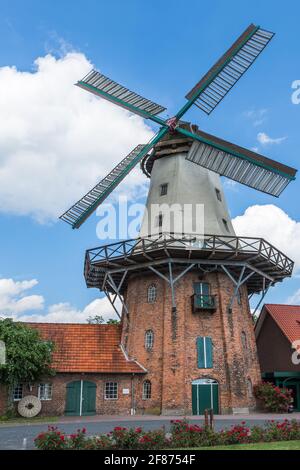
(203, 302)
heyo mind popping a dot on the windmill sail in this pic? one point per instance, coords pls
(239, 164)
(80, 211)
(102, 86)
(219, 80)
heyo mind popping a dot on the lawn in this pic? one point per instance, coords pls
(19, 420)
(279, 445)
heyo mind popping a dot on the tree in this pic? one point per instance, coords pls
(28, 357)
(113, 321)
(96, 320)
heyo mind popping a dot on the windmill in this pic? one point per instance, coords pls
(207, 151)
(186, 298)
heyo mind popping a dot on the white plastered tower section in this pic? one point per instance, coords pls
(179, 184)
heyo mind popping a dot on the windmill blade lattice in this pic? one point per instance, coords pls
(79, 212)
(219, 80)
(100, 85)
(240, 164)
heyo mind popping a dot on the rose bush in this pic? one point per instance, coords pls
(182, 435)
(273, 398)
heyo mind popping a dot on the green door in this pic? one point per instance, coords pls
(205, 395)
(88, 398)
(81, 398)
(73, 398)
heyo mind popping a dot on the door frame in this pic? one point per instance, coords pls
(209, 382)
(81, 394)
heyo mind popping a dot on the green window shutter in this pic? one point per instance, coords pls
(201, 288)
(200, 352)
(209, 353)
(204, 353)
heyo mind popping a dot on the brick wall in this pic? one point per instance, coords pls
(56, 406)
(172, 364)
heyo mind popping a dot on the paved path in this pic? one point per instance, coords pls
(21, 436)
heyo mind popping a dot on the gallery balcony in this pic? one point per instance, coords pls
(203, 302)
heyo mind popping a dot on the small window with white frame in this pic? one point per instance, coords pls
(45, 391)
(111, 391)
(152, 294)
(18, 392)
(149, 339)
(164, 189)
(249, 387)
(146, 390)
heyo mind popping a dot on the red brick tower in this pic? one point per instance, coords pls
(185, 307)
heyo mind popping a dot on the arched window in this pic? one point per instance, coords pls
(149, 339)
(151, 294)
(146, 390)
(249, 387)
(244, 341)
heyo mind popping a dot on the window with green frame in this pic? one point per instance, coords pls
(204, 352)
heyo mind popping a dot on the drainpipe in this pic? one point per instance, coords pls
(132, 411)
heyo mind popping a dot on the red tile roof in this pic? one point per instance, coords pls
(287, 318)
(87, 348)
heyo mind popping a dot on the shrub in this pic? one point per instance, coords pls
(124, 438)
(53, 439)
(238, 434)
(282, 431)
(274, 399)
(182, 435)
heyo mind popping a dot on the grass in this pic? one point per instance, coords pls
(19, 420)
(278, 445)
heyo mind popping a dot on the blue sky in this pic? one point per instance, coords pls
(159, 49)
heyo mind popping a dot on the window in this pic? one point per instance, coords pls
(151, 294)
(226, 225)
(18, 392)
(244, 341)
(159, 220)
(204, 352)
(250, 388)
(45, 392)
(111, 391)
(164, 189)
(218, 194)
(149, 339)
(201, 288)
(146, 390)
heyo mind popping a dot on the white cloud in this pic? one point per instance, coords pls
(16, 305)
(264, 139)
(12, 298)
(274, 225)
(257, 116)
(230, 184)
(294, 299)
(57, 140)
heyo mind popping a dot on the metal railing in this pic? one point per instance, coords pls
(249, 248)
(203, 302)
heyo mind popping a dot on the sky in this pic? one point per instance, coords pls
(57, 141)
